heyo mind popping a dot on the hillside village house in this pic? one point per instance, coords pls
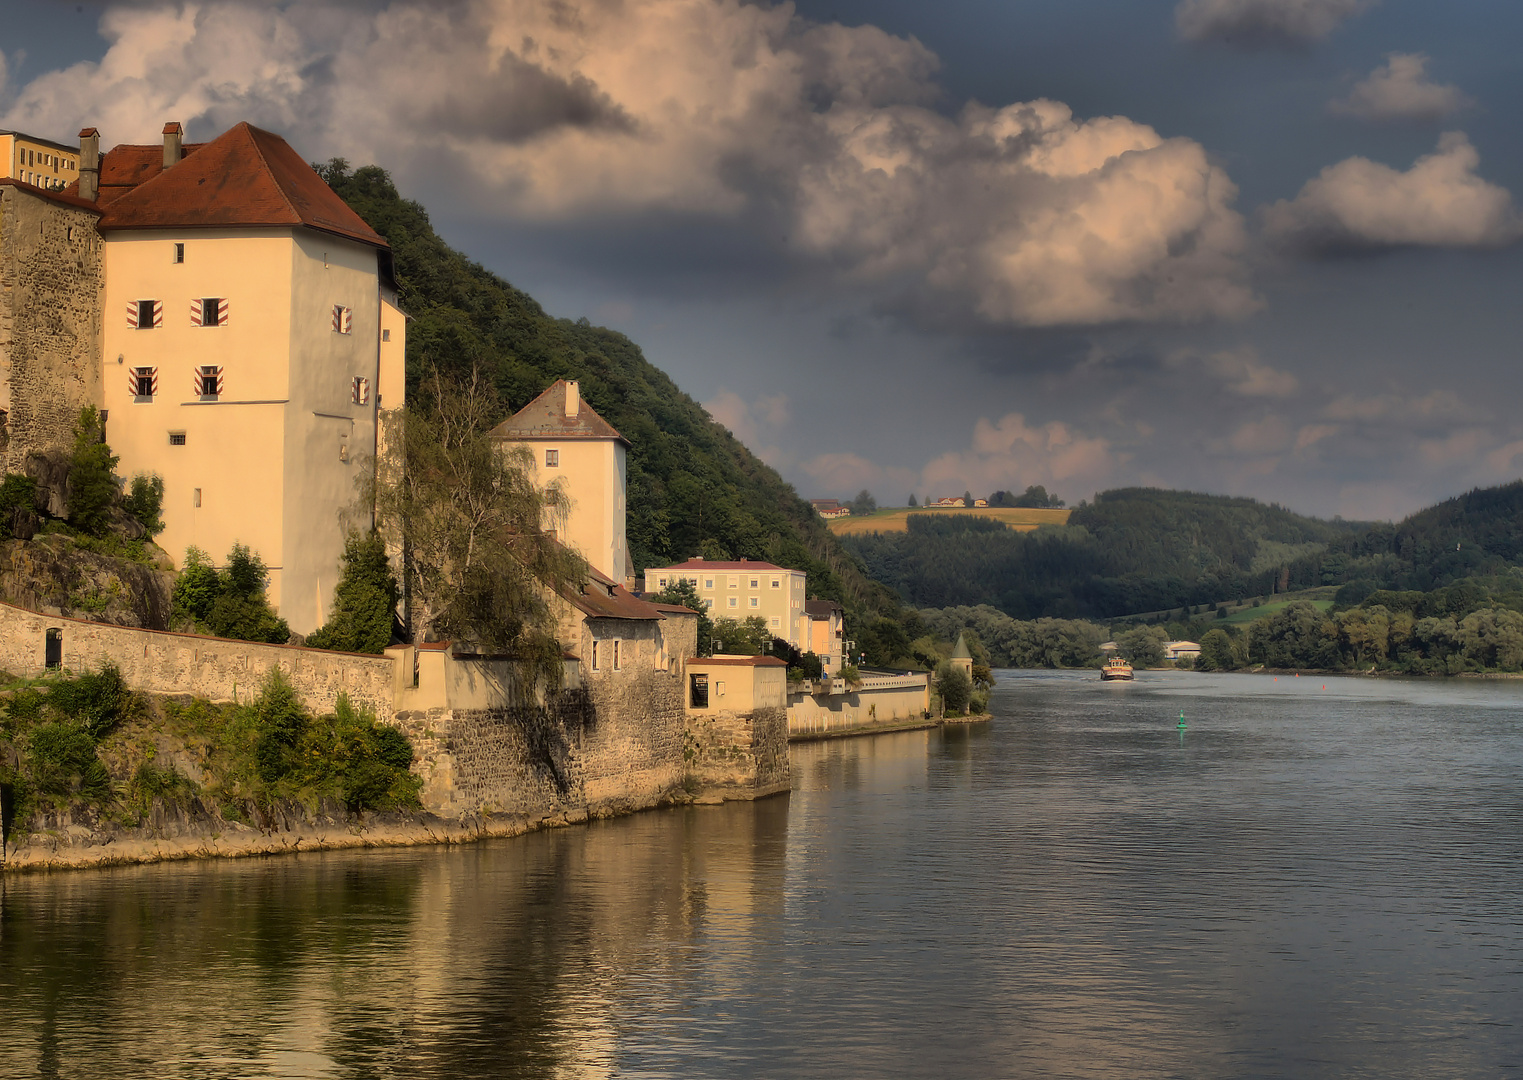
(39, 162)
(241, 337)
(738, 590)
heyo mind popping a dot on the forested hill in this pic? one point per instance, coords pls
(693, 488)
(1478, 534)
(1131, 550)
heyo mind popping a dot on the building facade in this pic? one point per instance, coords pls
(39, 162)
(738, 590)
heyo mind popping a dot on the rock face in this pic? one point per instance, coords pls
(52, 575)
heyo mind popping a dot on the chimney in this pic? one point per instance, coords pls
(89, 164)
(573, 399)
(173, 136)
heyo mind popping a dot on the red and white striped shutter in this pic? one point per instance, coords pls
(153, 381)
(348, 320)
(362, 392)
(218, 371)
(158, 314)
(195, 313)
(132, 314)
(222, 312)
(338, 319)
(132, 382)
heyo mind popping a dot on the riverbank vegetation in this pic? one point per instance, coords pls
(87, 744)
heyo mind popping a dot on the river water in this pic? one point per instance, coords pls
(1323, 877)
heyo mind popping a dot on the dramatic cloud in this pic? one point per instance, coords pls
(1400, 90)
(1263, 22)
(1438, 202)
(757, 423)
(570, 112)
(1239, 372)
(1012, 455)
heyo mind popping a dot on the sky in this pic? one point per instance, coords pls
(1249, 247)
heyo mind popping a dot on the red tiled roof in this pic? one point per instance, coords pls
(820, 609)
(601, 598)
(740, 661)
(244, 177)
(63, 196)
(712, 564)
(675, 609)
(545, 418)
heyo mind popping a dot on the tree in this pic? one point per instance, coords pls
(684, 591)
(145, 502)
(864, 503)
(364, 601)
(1143, 646)
(954, 686)
(229, 603)
(478, 562)
(93, 489)
(912, 500)
(749, 637)
(1216, 652)
(967, 498)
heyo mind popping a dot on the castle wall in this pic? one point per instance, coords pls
(52, 278)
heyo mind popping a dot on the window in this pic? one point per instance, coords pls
(208, 383)
(385, 335)
(734, 581)
(343, 319)
(616, 658)
(552, 459)
(145, 314)
(179, 253)
(698, 690)
(661, 583)
(143, 383)
(195, 499)
(735, 601)
(708, 583)
(177, 438)
(775, 622)
(755, 583)
(359, 391)
(719, 689)
(595, 656)
(53, 649)
(209, 311)
(756, 601)
(776, 584)
(708, 604)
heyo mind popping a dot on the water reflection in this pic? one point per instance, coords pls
(1322, 883)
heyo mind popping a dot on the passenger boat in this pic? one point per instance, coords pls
(1116, 669)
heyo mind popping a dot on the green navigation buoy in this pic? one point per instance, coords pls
(1181, 719)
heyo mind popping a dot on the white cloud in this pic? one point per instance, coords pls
(1438, 202)
(842, 474)
(756, 423)
(575, 111)
(1239, 371)
(1255, 22)
(1011, 454)
(1400, 90)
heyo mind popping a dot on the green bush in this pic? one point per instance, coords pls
(954, 686)
(363, 601)
(96, 701)
(61, 761)
(92, 486)
(145, 501)
(18, 506)
(228, 603)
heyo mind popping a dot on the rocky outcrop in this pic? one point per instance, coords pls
(52, 574)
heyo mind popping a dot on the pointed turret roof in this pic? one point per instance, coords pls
(558, 413)
(960, 650)
(244, 177)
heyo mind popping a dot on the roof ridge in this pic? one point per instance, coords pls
(248, 130)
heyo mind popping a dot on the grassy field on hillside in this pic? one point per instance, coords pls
(1253, 614)
(896, 520)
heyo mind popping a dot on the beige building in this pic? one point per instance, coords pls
(739, 590)
(826, 634)
(250, 330)
(39, 162)
(577, 449)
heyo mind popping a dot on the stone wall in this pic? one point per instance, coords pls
(738, 754)
(215, 668)
(52, 281)
(887, 700)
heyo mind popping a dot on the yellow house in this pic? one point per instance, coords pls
(39, 162)
(250, 333)
(738, 590)
(826, 633)
(577, 449)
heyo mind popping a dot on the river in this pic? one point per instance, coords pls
(1322, 877)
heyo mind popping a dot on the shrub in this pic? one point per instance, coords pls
(92, 487)
(229, 603)
(18, 507)
(363, 601)
(145, 501)
(96, 701)
(954, 686)
(279, 720)
(62, 761)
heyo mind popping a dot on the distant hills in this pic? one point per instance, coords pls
(693, 488)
